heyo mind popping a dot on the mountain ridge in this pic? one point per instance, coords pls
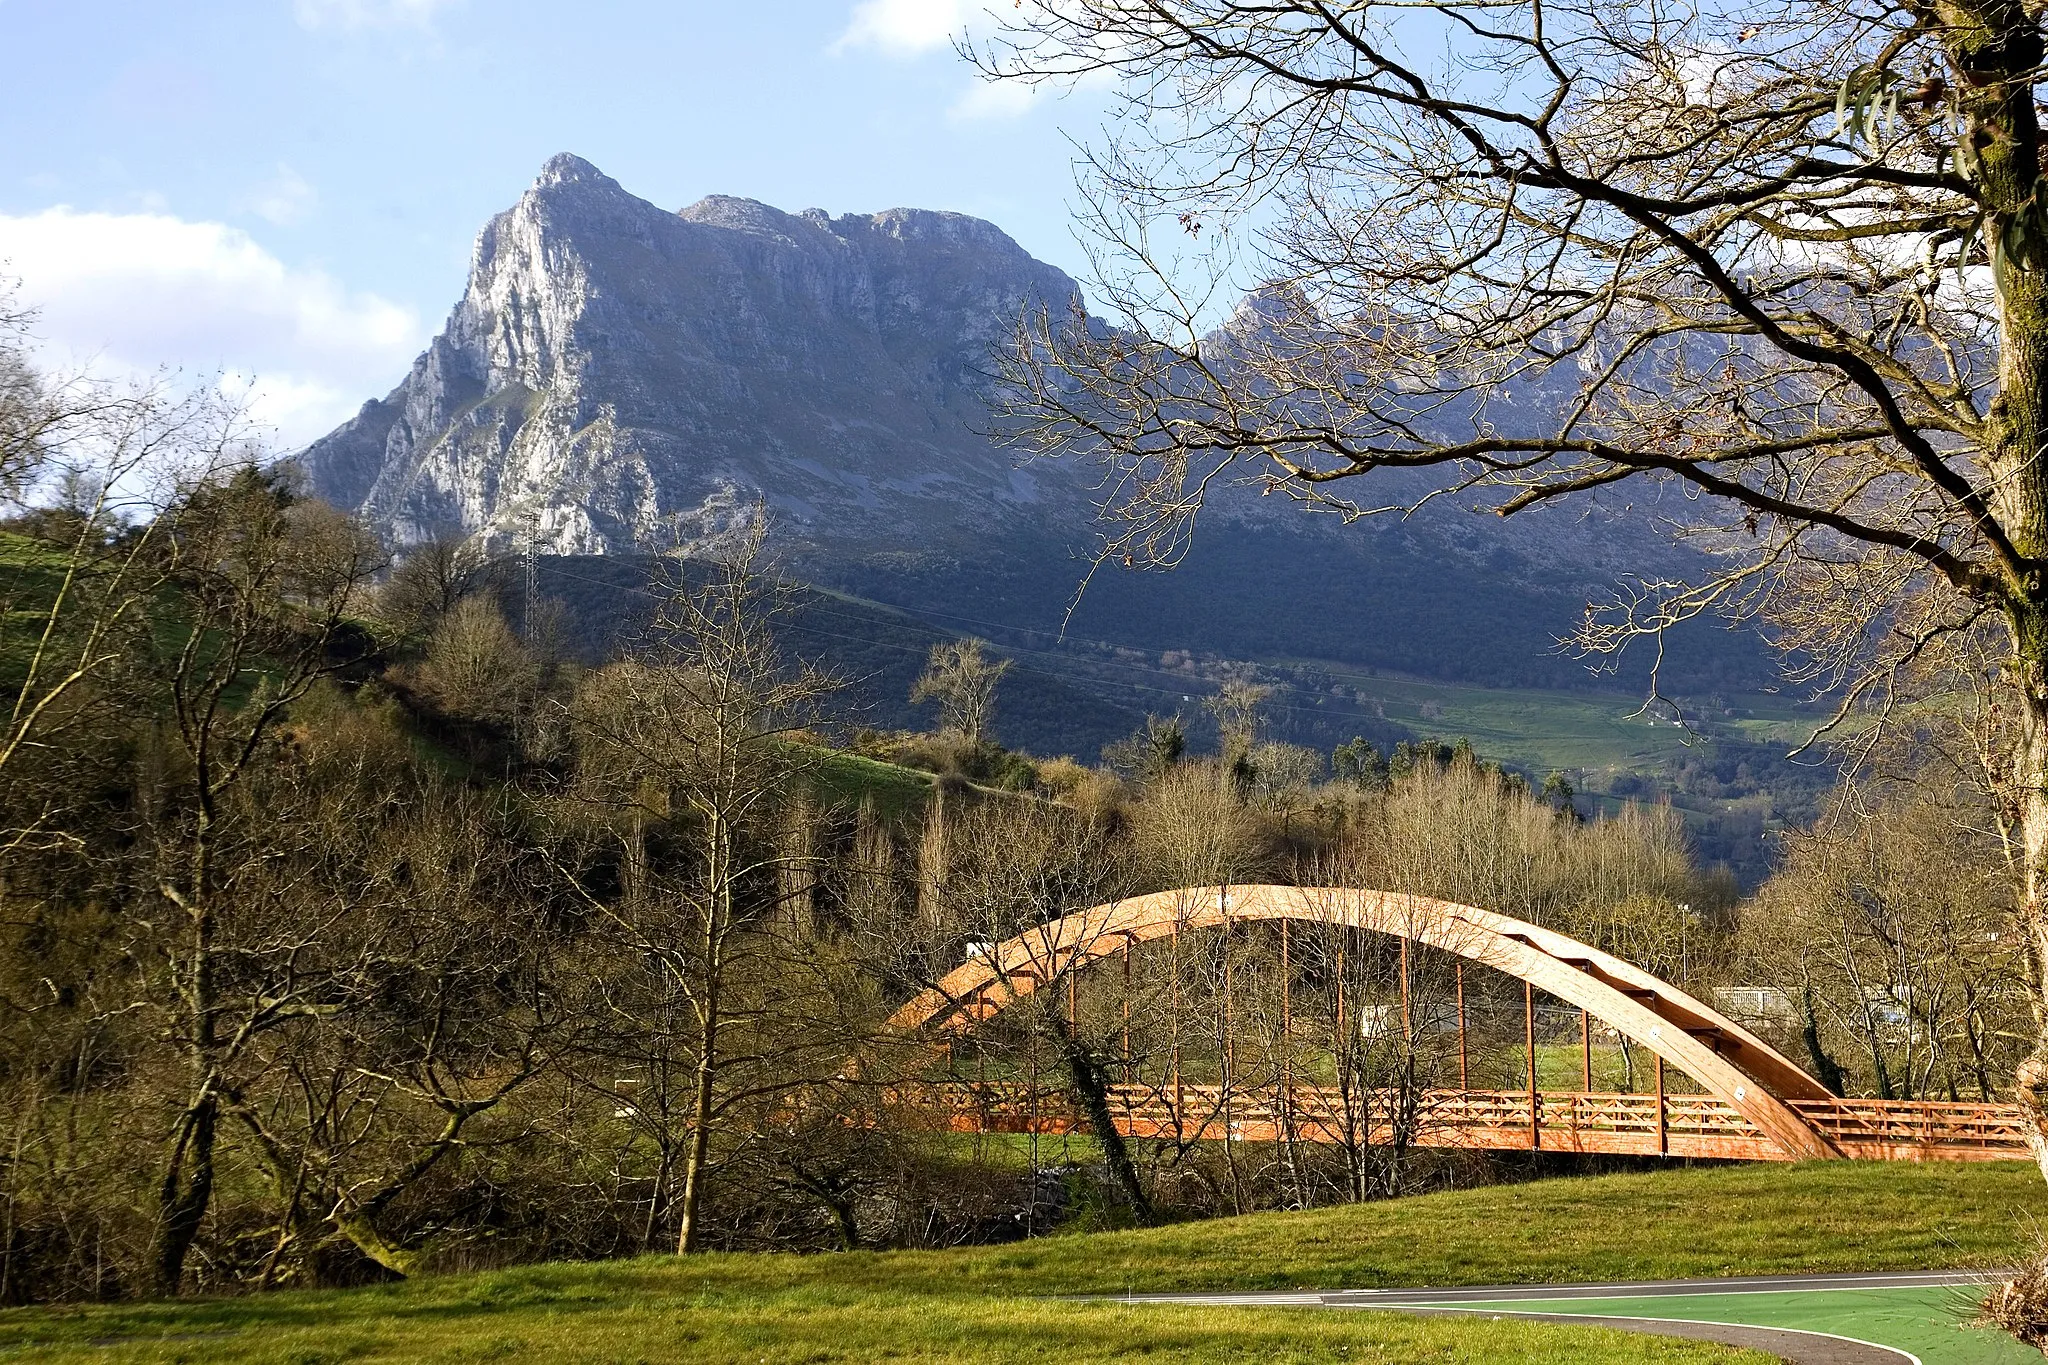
(615, 372)
(618, 376)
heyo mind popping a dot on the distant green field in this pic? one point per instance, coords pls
(1538, 730)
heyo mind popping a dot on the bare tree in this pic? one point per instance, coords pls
(476, 668)
(77, 459)
(1388, 1015)
(693, 745)
(962, 680)
(1889, 931)
(418, 985)
(265, 587)
(431, 579)
(1785, 263)
(1235, 708)
(1015, 867)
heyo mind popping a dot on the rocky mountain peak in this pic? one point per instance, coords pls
(950, 229)
(743, 215)
(565, 168)
(617, 375)
(613, 370)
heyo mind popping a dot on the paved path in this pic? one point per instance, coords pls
(1514, 1301)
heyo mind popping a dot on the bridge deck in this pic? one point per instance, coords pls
(1502, 1120)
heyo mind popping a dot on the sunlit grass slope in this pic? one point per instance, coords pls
(996, 1303)
(1732, 1220)
(721, 1309)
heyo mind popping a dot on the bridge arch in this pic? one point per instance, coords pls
(1723, 1057)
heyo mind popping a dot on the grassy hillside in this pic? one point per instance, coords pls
(1725, 769)
(1073, 693)
(997, 1303)
(714, 1310)
(1378, 596)
(876, 650)
(1676, 1223)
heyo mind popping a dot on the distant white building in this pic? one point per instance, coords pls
(1430, 1016)
(1755, 1004)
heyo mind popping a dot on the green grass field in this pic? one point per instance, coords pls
(1539, 729)
(847, 778)
(731, 1310)
(1001, 1303)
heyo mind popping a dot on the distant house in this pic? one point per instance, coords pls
(1755, 1005)
(1430, 1016)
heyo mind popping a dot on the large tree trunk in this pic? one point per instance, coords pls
(1093, 1088)
(1996, 49)
(659, 1200)
(2030, 777)
(717, 918)
(185, 1190)
(2020, 415)
(1825, 1068)
(700, 1150)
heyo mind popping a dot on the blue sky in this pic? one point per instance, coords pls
(286, 190)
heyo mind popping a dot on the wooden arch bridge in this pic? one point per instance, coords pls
(1754, 1103)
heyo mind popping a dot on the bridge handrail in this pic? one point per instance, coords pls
(1858, 1123)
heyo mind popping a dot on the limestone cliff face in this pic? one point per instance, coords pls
(616, 375)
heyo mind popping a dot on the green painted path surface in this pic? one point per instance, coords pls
(1932, 1323)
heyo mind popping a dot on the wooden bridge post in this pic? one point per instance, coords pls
(1340, 989)
(1179, 1095)
(1229, 1045)
(1529, 1036)
(1663, 1133)
(1127, 1010)
(1286, 1030)
(1407, 1025)
(1463, 1082)
(1586, 1047)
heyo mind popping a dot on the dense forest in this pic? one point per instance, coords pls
(356, 919)
(369, 913)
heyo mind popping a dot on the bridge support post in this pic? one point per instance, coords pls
(1529, 1037)
(1286, 1130)
(1340, 989)
(1663, 1131)
(1586, 1047)
(1464, 1083)
(1179, 1095)
(1229, 1062)
(1128, 1077)
(1407, 1027)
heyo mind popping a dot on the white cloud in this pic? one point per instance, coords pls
(361, 14)
(908, 28)
(913, 28)
(995, 100)
(284, 199)
(132, 292)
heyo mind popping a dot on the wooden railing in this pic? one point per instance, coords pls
(1561, 1121)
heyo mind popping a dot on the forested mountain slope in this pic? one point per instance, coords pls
(618, 375)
